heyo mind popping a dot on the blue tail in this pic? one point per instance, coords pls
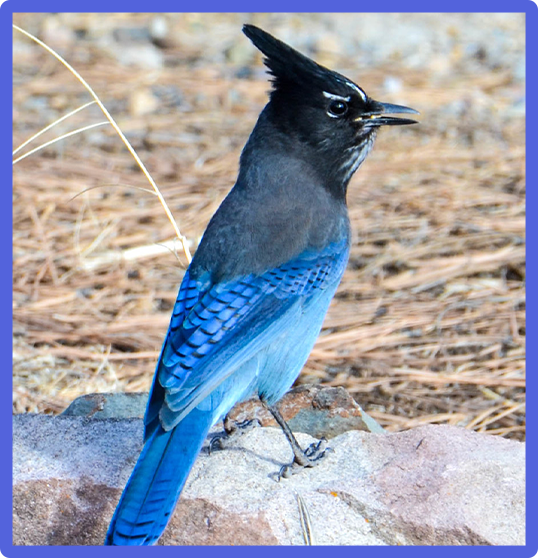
(156, 482)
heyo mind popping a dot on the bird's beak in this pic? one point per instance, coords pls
(375, 116)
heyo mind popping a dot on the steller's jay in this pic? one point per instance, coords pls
(252, 301)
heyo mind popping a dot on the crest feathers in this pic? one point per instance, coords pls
(286, 65)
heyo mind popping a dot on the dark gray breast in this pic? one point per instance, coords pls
(267, 219)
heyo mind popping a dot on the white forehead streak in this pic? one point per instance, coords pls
(357, 89)
(335, 97)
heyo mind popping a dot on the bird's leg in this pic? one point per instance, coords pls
(232, 431)
(309, 457)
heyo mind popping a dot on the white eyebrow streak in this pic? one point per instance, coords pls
(335, 97)
(357, 89)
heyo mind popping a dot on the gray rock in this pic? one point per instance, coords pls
(108, 405)
(318, 411)
(435, 485)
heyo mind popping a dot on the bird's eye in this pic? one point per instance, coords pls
(337, 109)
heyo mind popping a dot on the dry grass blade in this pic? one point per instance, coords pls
(47, 128)
(132, 254)
(306, 523)
(90, 188)
(59, 138)
(182, 239)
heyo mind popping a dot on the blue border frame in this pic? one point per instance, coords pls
(441, 6)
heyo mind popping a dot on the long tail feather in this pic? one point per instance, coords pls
(153, 489)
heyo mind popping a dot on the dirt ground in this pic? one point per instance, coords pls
(428, 325)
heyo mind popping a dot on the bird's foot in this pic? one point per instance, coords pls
(232, 431)
(309, 457)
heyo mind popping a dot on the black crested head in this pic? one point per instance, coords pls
(289, 67)
(319, 114)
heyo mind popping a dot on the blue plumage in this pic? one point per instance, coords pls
(156, 482)
(224, 344)
(253, 300)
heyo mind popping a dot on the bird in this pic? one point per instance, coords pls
(252, 301)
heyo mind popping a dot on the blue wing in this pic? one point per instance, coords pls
(215, 330)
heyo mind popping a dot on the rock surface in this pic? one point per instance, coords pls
(318, 411)
(435, 485)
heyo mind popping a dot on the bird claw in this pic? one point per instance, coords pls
(233, 431)
(217, 442)
(310, 457)
(317, 450)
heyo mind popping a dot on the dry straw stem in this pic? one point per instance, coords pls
(59, 138)
(306, 522)
(47, 128)
(181, 238)
(428, 324)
